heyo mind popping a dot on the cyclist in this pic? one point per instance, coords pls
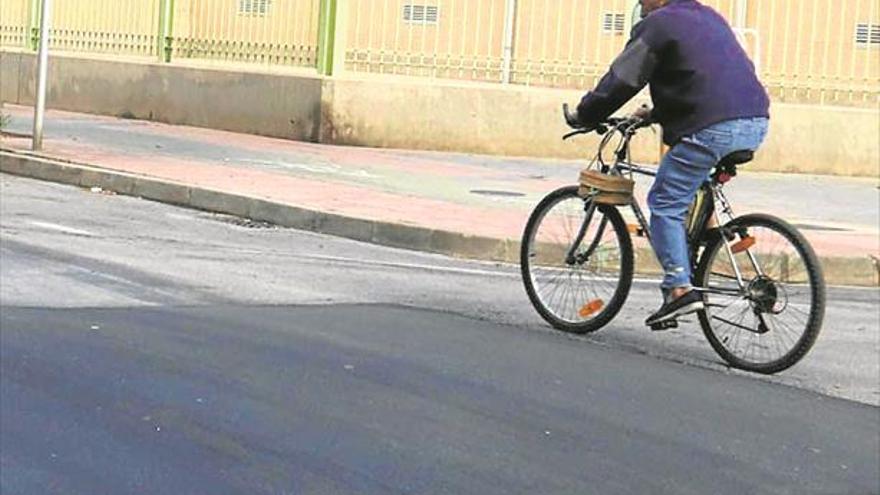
(709, 102)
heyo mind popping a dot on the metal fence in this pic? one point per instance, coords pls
(124, 27)
(569, 45)
(822, 51)
(391, 37)
(277, 32)
(556, 43)
(15, 22)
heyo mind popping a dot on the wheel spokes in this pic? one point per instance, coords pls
(564, 289)
(765, 320)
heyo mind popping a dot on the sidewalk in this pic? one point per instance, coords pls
(463, 205)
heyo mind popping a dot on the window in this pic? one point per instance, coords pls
(613, 23)
(421, 13)
(868, 35)
(254, 7)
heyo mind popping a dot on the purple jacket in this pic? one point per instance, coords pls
(698, 73)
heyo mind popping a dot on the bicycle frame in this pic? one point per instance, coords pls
(704, 209)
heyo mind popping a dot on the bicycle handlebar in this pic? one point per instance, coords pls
(630, 124)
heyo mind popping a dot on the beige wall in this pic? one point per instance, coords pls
(407, 113)
(510, 120)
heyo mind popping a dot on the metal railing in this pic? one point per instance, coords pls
(559, 43)
(275, 32)
(569, 45)
(15, 23)
(805, 50)
(811, 52)
(120, 27)
(817, 51)
(460, 39)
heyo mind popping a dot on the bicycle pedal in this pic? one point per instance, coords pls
(664, 325)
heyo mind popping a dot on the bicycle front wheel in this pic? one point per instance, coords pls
(576, 261)
(767, 319)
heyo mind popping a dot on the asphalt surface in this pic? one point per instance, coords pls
(378, 399)
(82, 249)
(148, 349)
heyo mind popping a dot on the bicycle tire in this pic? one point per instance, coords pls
(812, 273)
(624, 279)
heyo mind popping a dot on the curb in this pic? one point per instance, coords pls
(179, 194)
(838, 270)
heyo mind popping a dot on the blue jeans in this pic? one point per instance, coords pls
(684, 168)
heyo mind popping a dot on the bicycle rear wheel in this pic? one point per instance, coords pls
(579, 290)
(770, 322)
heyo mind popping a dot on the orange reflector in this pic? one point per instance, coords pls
(745, 243)
(635, 229)
(591, 307)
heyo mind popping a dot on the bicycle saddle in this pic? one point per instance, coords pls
(736, 158)
(728, 164)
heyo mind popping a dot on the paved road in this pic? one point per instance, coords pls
(381, 399)
(147, 349)
(79, 249)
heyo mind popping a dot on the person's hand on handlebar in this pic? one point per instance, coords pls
(571, 118)
(643, 112)
(640, 118)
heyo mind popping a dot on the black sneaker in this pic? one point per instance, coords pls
(686, 304)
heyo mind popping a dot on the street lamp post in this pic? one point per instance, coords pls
(42, 69)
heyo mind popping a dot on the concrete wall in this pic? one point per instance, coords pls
(494, 119)
(406, 113)
(267, 104)
(451, 116)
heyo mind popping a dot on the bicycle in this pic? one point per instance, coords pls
(761, 282)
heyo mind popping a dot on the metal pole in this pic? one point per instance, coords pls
(166, 31)
(42, 69)
(326, 36)
(340, 38)
(33, 25)
(635, 16)
(509, 25)
(742, 9)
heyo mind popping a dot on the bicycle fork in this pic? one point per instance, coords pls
(571, 257)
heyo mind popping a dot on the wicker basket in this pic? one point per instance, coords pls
(605, 189)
